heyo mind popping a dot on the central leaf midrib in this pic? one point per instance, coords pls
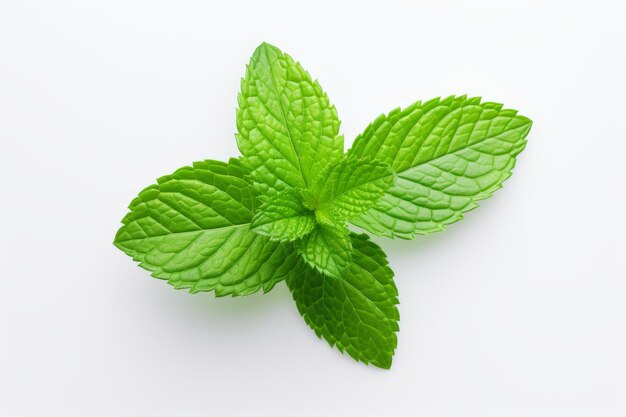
(202, 230)
(398, 173)
(282, 113)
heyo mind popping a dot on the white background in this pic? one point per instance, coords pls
(519, 310)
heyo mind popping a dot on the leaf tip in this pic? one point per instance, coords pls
(265, 47)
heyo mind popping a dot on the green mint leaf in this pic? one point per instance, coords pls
(447, 154)
(356, 313)
(327, 249)
(283, 217)
(350, 187)
(192, 229)
(288, 131)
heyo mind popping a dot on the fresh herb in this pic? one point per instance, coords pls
(280, 211)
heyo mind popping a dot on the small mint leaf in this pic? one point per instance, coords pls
(283, 217)
(327, 249)
(350, 187)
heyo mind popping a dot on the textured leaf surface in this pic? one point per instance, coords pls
(350, 188)
(327, 248)
(358, 313)
(192, 229)
(288, 131)
(284, 217)
(447, 154)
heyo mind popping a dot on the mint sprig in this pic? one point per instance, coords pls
(280, 211)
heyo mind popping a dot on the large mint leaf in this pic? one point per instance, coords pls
(284, 217)
(288, 131)
(350, 187)
(192, 229)
(447, 155)
(357, 313)
(327, 249)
